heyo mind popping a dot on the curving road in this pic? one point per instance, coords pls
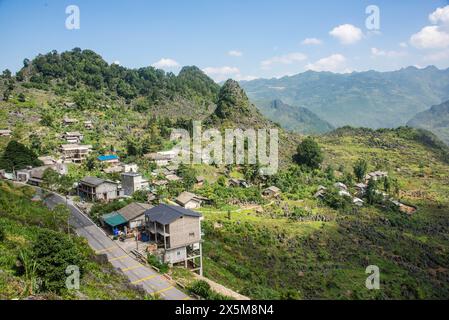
(136, 272)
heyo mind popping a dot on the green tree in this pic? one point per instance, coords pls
(309, 154)
(17, 156)
(50, 179)
(54, 252)
(371, 194)
(188, 175)
(360, 168)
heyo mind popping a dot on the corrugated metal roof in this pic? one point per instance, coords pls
(166, 214)
(107, 157)
(133, 210)
(114, 219)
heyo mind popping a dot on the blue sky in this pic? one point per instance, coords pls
(242, 39)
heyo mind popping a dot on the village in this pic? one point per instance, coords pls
(152, 216)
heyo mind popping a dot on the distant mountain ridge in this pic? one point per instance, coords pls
(435, 119)
(363, 99)
(297, 119)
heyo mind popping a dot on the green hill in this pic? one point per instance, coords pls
(435, 119)
(35, 251)
(364, 99)
(297, 119)
(298, 247)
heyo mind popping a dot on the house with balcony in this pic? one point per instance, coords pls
(177, 233)
(75, 153)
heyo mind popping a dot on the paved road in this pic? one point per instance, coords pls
(137, 273)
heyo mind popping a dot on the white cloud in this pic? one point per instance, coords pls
(440, 15)
(284, 59)
(436, 36)
(333, 63)
(430, 37)
(116, 62)
(311, 41)
(240, 77)
(221, 73)
(403, 44)
(389, 54)
(437, 56)
(235, 53)
(347, 33)
(165, 63)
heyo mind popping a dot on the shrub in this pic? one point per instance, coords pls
(309, 154)
(155, 262)
(53, 252)
(203, 289)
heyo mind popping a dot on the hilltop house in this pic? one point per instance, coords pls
(132, 182)
(376, 175)
(5, 133)
(96, 189)
(73, 137)
(200, 180)
(238, 183)
(272, 191)
(88, 125)
(177, 232)
(75, 153)
(69, 121)
(190, 200)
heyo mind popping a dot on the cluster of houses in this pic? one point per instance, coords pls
(172, 233)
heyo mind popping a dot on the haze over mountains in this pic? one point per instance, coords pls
(435, 119)
(362, 99)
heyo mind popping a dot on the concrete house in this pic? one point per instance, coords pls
(177, 232)
(95, 189)
(132, 182)
(190, 200)
(159, 159)
(75, 153)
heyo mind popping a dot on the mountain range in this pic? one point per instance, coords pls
(435, 119)
(362, 99)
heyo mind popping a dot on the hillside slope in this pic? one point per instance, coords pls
(302, 249)
(297, 119)
(435, 119)
(366, 99)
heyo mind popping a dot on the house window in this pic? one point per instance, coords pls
(191, 234)
(179, 253)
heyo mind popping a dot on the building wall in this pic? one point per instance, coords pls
(137, 222)
(109, 188)
(192, 204)
(175, 255)
(184, 231)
